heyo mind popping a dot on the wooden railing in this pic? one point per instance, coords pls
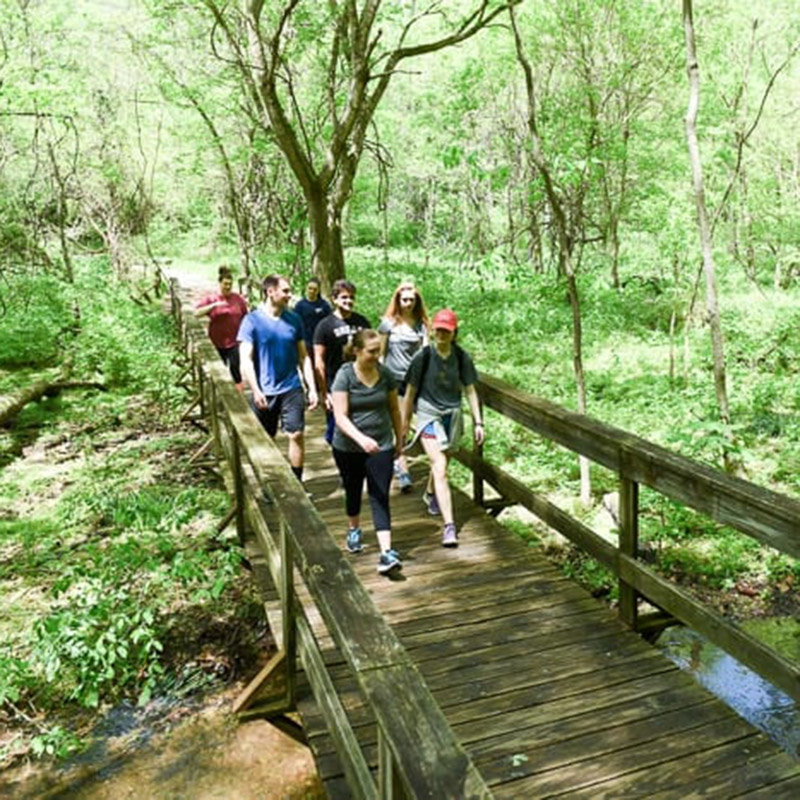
(771, 518)
(418, 754)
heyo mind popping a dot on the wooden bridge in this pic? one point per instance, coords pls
(482, 671)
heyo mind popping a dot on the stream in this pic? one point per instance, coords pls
(751, 696)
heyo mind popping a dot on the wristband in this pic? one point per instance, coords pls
(478, 424)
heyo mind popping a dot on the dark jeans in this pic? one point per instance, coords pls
(377, 469)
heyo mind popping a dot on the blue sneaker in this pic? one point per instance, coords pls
(354, 543)
(389, 561)
(432, 504)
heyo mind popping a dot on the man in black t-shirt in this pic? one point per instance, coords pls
(330, 338)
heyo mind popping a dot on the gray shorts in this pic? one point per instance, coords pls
(289, 408)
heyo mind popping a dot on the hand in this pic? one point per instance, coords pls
(328, 402)
(313, 399)
(478, 432)
(259, 399)
(370, 446)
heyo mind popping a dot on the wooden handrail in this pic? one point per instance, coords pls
(416, 742)
(772, 518)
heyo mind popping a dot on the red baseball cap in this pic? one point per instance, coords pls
(446, 318)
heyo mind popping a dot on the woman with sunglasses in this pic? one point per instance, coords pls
(404, 331)
(365, 440)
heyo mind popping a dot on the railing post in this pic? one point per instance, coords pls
(629, 545)
(390, 786)
(238, 485)
(288, 612)
(477, 473)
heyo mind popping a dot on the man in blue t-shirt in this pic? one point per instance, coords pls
(274, 338)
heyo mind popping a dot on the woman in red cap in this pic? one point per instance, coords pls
(436, 378)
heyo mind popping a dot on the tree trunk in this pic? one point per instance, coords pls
(712, 303)
(327, 252)
(11, 405)
(564, 250)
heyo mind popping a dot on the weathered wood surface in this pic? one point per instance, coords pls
(548, 693)
(643, 579)
(768, 516)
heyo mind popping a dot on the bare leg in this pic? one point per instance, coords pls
(296, 448)
(437, 480)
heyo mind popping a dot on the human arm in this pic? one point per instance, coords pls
(397, 422)
(249, 373)
(341, 408)
(475, 410)
(207, 305)
(319, 368)
(407, 411)
(308, 374)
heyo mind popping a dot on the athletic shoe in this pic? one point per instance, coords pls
(354, 543)
(432, 504)
(450, 537)
(404, 482)
(389, 561)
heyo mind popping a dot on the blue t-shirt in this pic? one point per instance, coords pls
(275, 349)
(311, 314)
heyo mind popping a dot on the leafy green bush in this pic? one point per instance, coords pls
(106, 641)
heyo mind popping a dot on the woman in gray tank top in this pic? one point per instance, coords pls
(404, 331)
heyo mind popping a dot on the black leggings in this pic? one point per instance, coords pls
(230, 355)
(377, 468)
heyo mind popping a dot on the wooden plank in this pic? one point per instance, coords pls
(717, 772)
(590, 760)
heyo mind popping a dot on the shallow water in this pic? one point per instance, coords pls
(750, 695)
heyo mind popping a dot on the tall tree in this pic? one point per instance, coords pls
(317, 77)
(704, 226)
(565, 240)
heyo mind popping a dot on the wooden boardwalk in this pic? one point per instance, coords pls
(544, 688)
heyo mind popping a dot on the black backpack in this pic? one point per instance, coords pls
(426, 361)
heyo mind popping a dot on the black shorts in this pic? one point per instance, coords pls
(289, 408)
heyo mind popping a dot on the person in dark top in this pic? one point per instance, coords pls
(272, 337)
(312, 309)
(436, 379)
(330, 338)
(225, 311)
(366, 439)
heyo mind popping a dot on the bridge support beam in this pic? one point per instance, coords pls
(629, 545)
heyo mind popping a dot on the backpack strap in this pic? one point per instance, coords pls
(426, 360)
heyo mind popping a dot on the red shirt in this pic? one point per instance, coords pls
(224, 320)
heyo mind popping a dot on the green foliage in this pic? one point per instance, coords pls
(102, 644)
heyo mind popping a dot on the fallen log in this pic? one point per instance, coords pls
(11, 405)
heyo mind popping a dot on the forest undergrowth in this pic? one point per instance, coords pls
(118, 588)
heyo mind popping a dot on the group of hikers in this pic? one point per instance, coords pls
(371, 381)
